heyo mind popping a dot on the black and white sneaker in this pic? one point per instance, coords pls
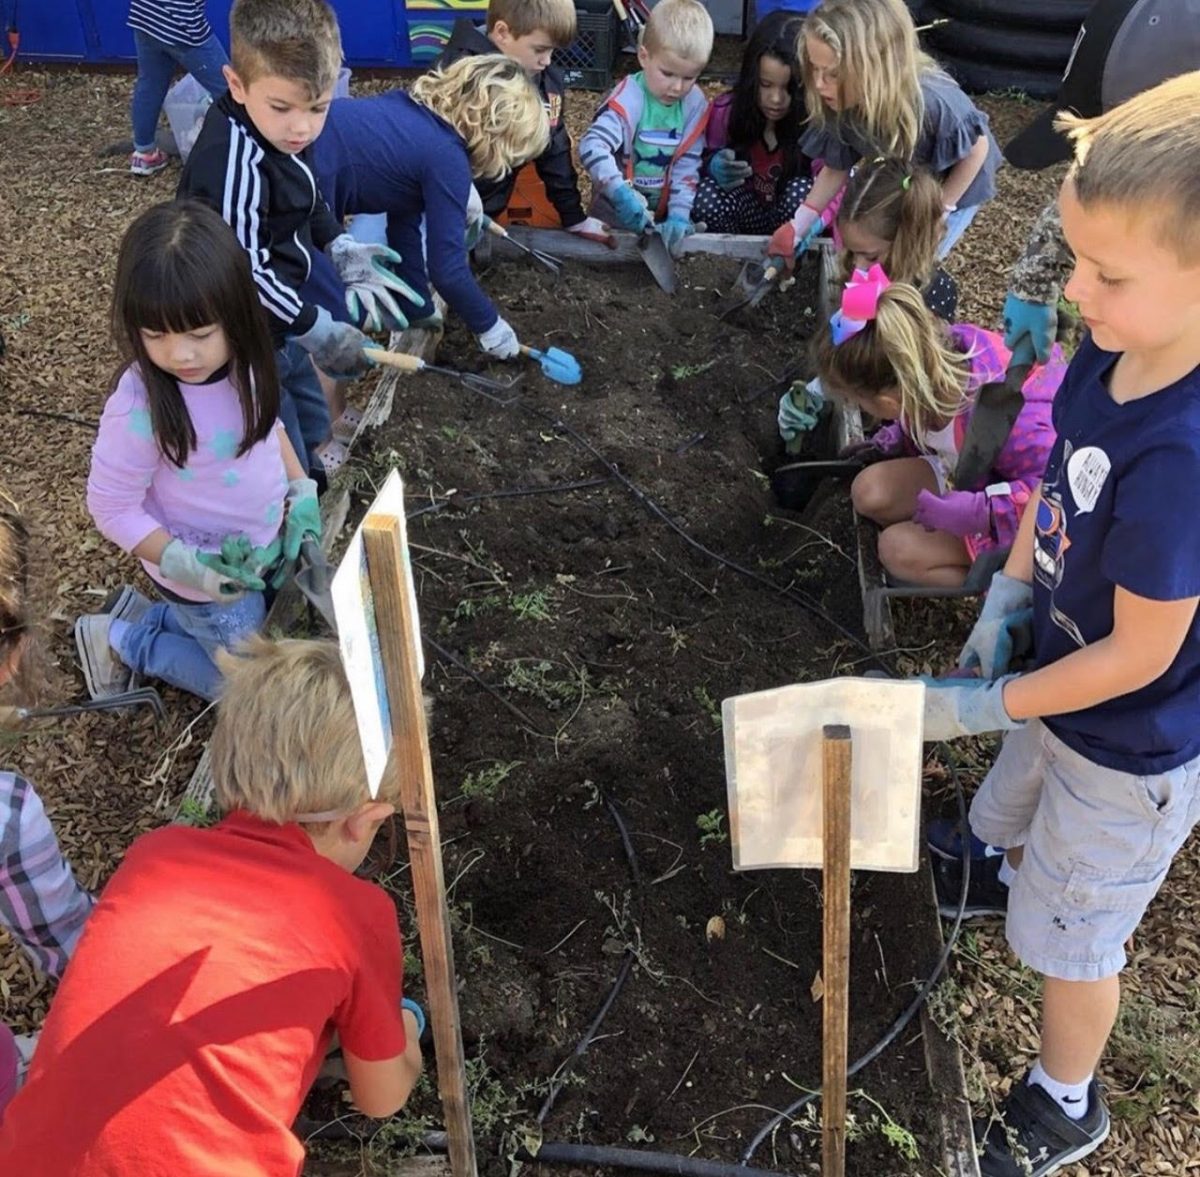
(1033, 1136)
(986, 895)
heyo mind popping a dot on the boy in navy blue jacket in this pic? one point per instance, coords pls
(251, 163)
(528, 31)
(1098, 783)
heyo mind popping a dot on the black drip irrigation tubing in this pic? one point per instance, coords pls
(660, 1162)
(512, 493)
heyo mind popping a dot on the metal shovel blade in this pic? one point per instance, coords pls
(658, 259)
(754, 280)
(312, 579)
(997, 407)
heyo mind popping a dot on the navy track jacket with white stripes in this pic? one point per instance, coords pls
(270, 200)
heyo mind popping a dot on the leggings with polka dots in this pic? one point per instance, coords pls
(740, 211)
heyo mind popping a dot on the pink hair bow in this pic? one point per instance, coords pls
(860, 301)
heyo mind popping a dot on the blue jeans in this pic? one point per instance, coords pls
(178, 643)
(157, 61)
(956, 226)
(302, 405)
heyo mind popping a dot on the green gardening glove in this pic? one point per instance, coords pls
(303, 519)
(239, 560)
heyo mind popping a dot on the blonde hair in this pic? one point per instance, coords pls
(556, 18)
(490, 101)
(875, 44)
(1144, 153)
(906, 348)
(682, 27)
(902, 205)
(286, 741)
(294, 39)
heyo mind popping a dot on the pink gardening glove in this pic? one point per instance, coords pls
(960, 512)
(886, 442)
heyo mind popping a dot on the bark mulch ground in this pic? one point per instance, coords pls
(107, 778)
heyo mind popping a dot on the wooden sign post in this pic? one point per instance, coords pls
(835, 962)
(399, 642)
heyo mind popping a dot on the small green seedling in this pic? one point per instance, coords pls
(682, 372)
(712, 827)
(487, 781)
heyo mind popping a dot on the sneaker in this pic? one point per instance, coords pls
(1033, 1136)
(146, 163)
(104, 673)
(126, 604)
(943, 836)
(986, 895)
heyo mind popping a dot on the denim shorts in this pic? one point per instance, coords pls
(1098, 843)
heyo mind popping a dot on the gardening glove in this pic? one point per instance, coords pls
(630, 207)
(253, 564)
(960, 512)
(336, 348)
(673, 230)
(792, 237)
(500, 341)
(957, 707)
(1004, 629)
(886, 442)
(369, 282)
(594, 230)
(417, 1012)
(477, 221)
(214, 578)
(727, 170)
(303, 518)
(799, 409)
(1029, 329)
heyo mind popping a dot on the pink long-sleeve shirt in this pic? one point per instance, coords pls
(133, 489)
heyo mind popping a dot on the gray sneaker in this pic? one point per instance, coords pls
(126, 604)
(104, 673)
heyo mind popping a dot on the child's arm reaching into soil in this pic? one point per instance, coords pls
(382, 1088)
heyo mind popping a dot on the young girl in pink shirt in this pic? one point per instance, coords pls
(191, 471)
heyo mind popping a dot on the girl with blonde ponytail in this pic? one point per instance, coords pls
(887, 353)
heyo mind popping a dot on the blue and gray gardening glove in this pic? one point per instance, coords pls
(1004, 628)
(673, 230)
(336, 348)
(727, 171)
(630, 208)
(956, 707)
(799, 409)
(365, 269)
(1029, 329)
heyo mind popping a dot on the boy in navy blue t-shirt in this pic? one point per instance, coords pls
(1096, 786)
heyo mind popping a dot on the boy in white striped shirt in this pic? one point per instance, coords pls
(168, 34)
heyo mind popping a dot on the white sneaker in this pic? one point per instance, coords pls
(104, 673)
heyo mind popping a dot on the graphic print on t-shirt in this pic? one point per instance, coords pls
(1085, 473)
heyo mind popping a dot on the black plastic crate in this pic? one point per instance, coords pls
(587, 63)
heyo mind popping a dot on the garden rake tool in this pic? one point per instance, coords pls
(558, 365)
(410, 363)
(134, 698)
(754, 281)
(551, 263)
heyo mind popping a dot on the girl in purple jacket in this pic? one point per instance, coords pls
(755, 176)
(886, 352)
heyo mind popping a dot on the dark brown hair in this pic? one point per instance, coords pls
(180, 268)
(297, 40)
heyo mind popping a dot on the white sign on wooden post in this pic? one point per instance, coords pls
(773, 751)
(358, 634)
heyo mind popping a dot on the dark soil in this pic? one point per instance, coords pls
(616, 638)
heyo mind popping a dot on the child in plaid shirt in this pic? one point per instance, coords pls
(41, 904)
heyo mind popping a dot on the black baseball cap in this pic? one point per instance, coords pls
(1123, 48)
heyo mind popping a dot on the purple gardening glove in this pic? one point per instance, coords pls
(886, 442)
(960, 512)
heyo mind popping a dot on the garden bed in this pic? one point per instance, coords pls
(574, 552)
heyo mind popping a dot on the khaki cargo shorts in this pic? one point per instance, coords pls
(1097, 841)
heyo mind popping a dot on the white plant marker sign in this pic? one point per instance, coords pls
(358, 634)
(773, 772)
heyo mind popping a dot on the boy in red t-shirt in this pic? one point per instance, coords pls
(218, 963)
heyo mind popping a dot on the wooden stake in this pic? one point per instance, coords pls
(409, 763)
(835, 967)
